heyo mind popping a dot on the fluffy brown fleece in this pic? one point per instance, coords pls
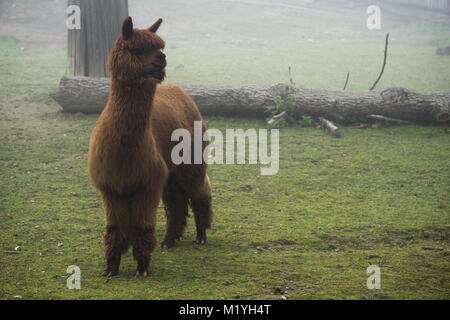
(130, 153)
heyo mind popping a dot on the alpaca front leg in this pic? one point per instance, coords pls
(142, 231)
(143, 241)
(114, 243)
(115, 237)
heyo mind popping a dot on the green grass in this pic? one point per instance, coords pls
(310, 228)
(29, 72)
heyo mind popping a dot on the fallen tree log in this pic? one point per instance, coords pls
(89, 95)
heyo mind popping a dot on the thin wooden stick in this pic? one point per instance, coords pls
(384, 62)
(12, 252)
(284, 115)
(346, 81)
(290, 77)
(387, 119)
(328, 125)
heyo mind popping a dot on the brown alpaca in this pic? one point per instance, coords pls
(130, 153)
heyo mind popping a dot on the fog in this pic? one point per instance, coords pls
(234, 23)
(351, 203)
(268, 36)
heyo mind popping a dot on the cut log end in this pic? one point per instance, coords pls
(442, 117)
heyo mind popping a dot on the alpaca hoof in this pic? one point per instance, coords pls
(201, 238)
(110, 273)
(167, 244)
(142, 268)
(143, 274)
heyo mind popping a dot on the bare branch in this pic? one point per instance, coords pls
(384, 62)
(290, 77)
(346, 81)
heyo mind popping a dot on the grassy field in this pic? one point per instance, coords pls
(335, 207)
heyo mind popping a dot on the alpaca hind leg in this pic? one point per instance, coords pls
(176, 206)
(201, 204)
(142, 230)
(115, 238)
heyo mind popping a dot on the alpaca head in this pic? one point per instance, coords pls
(136, 56)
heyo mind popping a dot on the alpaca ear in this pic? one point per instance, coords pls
(127, 28)
(155, 26)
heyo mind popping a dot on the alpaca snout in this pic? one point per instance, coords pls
(159, 65)
(163, 60)
(160, 61)
(161, 56)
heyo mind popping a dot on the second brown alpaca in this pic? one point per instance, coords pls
(130, 153)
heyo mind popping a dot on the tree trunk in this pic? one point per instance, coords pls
(89, 95)
(88, 47)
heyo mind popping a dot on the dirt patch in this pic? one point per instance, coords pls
(20, 107)
(275, 245)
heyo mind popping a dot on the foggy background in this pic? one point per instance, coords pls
(240, 23)
(253, 41)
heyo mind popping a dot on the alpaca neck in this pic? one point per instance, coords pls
(130, 107)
